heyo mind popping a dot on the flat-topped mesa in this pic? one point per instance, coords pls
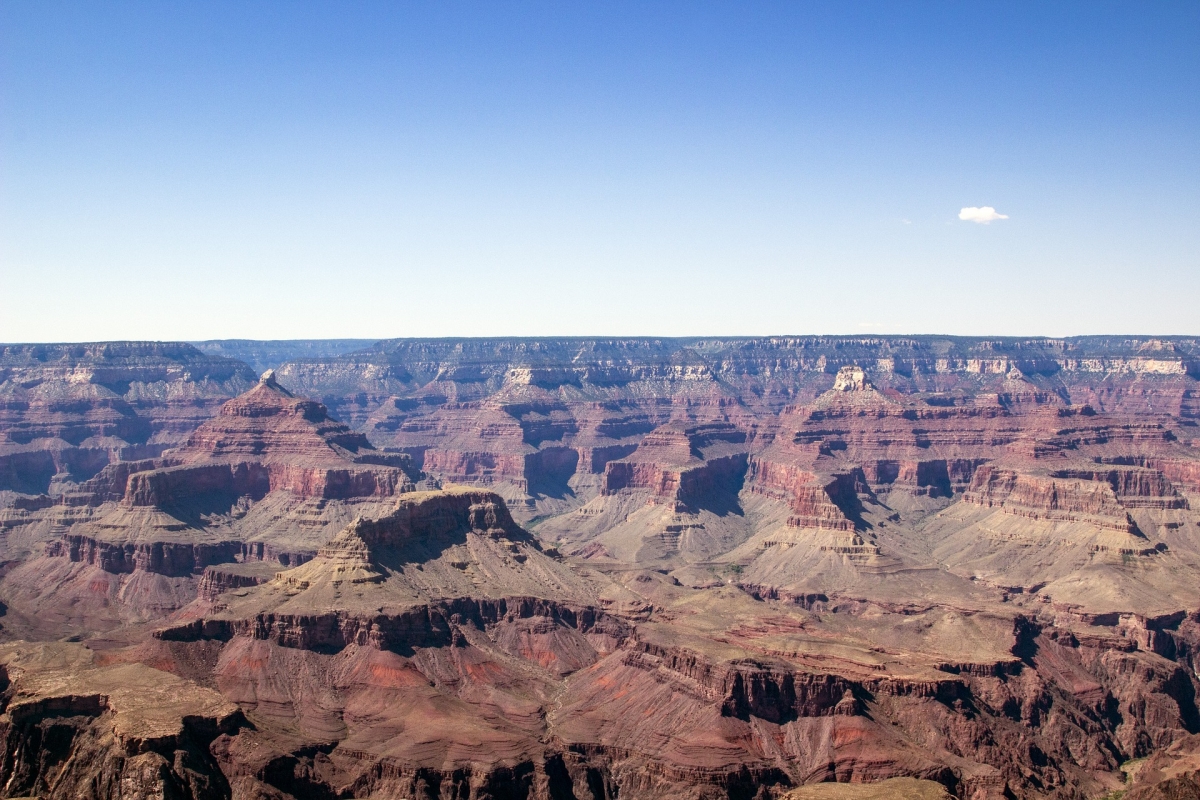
(425, 521)
(432, 548)
(266, 440)
(1056, 497)
(681, 463)
(430, 517)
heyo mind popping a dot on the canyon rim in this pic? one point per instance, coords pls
(782, 400)
(601, 568)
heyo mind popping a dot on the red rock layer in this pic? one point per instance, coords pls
(92, 404)
(1134, 488)
(681, 463)
(654, 720)
(826, 502)
(161, 487)
(176, 559)
(269, 440)
(1049, 498)
(431, 516)
(217, 580)
(270, 424)
(943, 447)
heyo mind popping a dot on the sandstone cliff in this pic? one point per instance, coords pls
(962, 566)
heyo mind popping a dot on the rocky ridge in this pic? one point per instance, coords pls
(746, 566)
(68, 410)
(264, 465)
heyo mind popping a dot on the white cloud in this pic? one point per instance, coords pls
(982, 215)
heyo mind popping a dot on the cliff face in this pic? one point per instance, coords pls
(478, 410)
(539, 416)
(652, 718)
(68, 410)
(1104, 371)
(176, 559)
(746, 565)
(1048, 497)
(164, 486)
(269, 440)
(686, 465)
(111, 381)
(261, 480)
(264, 355)
(72, 728)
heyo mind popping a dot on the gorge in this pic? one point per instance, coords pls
(599, 568)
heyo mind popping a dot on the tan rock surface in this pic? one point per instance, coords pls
(891, 789)
(749, 568)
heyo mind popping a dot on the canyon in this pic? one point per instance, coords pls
(755, 568)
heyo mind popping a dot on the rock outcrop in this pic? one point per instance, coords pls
(683, 465)
(750, 568)
(245, 486)
(70, 727)
(268, 440)
(68, 410)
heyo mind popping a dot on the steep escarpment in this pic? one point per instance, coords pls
(435, 604)
(165, 558)
(430, 546)
(267, 440)
(682, 464)
(265, 355)
(68, 410)
(538, 420)
(263, 479)
(71, 727)
(855, 439)
(674, 499)
(705, 568)
(1049, 497)
(988, 703)
(411, 393)
(818, 501)
(1126, 374)
(992, 720)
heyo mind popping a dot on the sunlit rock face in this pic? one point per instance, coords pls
(646, 568)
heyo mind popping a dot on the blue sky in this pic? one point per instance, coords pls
(297, 170)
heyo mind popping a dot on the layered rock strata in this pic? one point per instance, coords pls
(788, 562)
(71, 727)
(68, 410)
